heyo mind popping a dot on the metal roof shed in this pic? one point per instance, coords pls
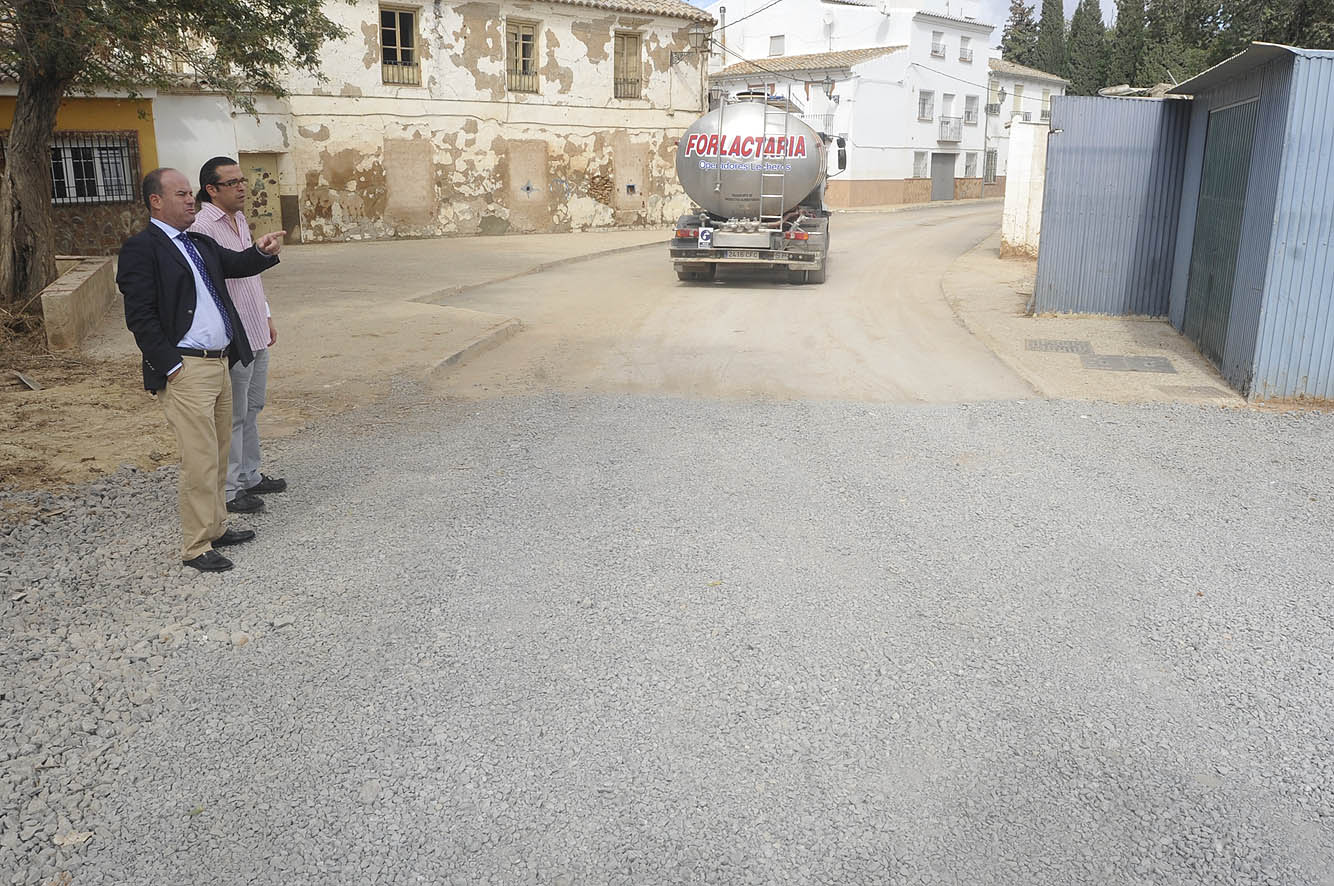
(1255, 288)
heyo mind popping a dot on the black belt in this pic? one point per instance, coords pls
(195, 352)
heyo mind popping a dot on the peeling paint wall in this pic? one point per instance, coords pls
(461, 154)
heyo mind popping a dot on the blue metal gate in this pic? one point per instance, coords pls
(1213, 257)
(1110, 205)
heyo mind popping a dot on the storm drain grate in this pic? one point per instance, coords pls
(1119, 363)
(1058, 345)
(1194, 391)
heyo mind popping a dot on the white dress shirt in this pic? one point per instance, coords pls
(206, 332)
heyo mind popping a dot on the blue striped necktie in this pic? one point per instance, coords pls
(208, 281)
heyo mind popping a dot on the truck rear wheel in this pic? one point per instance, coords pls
(816, 276)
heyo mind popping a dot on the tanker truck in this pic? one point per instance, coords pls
(756, 174)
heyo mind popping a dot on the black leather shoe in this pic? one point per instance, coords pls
(209, 561)
(245, 503)
(233, 537)
(268, 484)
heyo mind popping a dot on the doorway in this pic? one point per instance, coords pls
(1213, 255)
(942, 176)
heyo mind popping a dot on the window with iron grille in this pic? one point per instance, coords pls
(628, 66)
(920, 168)
(398, 47)
(970, 110)
(938, 44)
(926, 105)
(970, 164)
(94, 167)
(521, 56)
(965, 50)
(989, 167)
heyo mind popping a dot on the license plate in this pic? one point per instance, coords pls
(743, 253)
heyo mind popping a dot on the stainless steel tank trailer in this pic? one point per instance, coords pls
(756, 173)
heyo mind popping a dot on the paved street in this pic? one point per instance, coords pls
(877, 330)
(741, 583)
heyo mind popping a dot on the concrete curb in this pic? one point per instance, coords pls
(435, 297)
(493, 337)
(951, 297)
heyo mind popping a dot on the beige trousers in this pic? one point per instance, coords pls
(198, 404)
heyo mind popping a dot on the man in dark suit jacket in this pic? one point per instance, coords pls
(177, 306)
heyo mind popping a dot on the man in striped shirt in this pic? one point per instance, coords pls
(222, 196)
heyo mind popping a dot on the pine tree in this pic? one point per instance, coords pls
(1087, 45)
(1019, 43)
(1127, 43)
(1050, 55)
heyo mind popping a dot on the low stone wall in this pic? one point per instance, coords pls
(843, 193)
(74, 305)
(852, 194)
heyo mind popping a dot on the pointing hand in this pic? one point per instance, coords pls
(271, 244)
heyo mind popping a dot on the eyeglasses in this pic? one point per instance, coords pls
(230, 183)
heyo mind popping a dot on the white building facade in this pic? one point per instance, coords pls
(905, 86)
(1015, 93)
(438, 119)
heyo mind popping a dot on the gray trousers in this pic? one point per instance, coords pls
(248, 387)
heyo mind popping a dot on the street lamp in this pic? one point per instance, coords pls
(699, 36)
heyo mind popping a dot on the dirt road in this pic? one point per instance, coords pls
(879, 330)
(355, 316)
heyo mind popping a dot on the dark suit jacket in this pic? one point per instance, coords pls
(159, 291)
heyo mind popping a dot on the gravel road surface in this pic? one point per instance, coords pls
(616, 638)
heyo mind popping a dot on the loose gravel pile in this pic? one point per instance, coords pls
(641, 640)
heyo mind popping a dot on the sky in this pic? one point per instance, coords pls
(995, 12)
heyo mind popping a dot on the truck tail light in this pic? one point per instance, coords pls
(790, 235)
(687, 233)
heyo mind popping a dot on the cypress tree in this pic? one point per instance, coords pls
(1050, 55)
(1019, 43)
(1087, 45)
(1127, 43)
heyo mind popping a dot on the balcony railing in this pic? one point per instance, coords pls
(965, 55)
(951, 129)
(407, 74)
(993, 109)
(517, 82)
(628, 87)
(1046, 113)
(819, 122)
(970, 116)
(938, 50)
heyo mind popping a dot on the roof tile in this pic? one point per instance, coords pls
(817, 61)
(1002, 66)
(666, 8)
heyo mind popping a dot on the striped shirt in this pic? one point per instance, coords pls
(247, 292)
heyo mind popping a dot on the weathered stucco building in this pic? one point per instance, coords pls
(480, 117)
(432, 119)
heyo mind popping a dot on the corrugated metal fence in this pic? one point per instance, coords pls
(1110, 210)
(1295, 352)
